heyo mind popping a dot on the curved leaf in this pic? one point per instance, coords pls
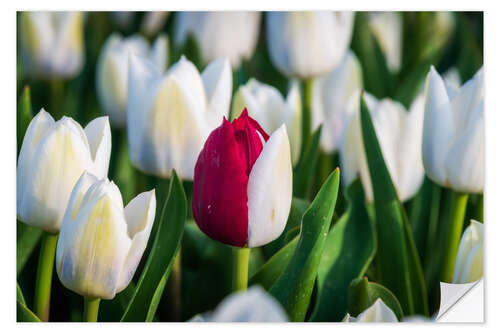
(24, 314)
(143, 304)
(28, 238)
(294, 287)
(362, 295)
(349, 249)
(273, 268)
(398, 264)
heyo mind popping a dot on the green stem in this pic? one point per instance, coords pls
(44, 276)
(479, 216)
(90, 309)
(454, 226)
(174, 290)
(56, 98)
(306, 113)
(240, 268)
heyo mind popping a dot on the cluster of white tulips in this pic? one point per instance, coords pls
(249, 150)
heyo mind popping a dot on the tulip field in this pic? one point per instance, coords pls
(313, 166)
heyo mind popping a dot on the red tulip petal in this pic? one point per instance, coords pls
(221, 179)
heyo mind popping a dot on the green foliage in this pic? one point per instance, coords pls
(349, 249)
(294, 287)
(24, 115)
(398, 264)
(304, 171)
(145, 300)
(362, 295)
(27, 239)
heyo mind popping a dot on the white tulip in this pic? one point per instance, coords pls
(170, 115)
(469, 262)
(252, 305)
(51, 43)
(308, 44)
(399, 134)
(378, 312)
(267, 106)
(453, 140)
(52, 158)
(101, 242)
(112, 71)
(388, 30)
(331, 94)
(220, 34)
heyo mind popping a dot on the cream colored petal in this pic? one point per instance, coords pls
(466, 101)
(139, 215)
(218, 82)
(465, 161)
(253, 305)
(439, 130)
(469, 261)
(378, 312)
(94, 247)
(174, 132)
(270, 190)
(58, 162)
(98, 134)
(388, 30)
(39, 127)
(67, 53)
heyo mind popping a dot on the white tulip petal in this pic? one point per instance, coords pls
(144, 76)
(439, 130)
(378, 312)
(466, 100)
(465, 160)
(388, 30)
(98, 134)
(253, 305)
(93, 248)
(218, 82)
(67, 51)
(159, 52)
(270, 190)
(37, 129)
(469, 262)
(139, 215)
(293, 120)
(61, 155)
(308, 44)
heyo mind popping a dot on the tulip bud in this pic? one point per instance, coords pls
(169, 116)
(242, 189)
(220, 34)
(331, 95)
(51, 43)
(387, 28)
(101, 242)
(266, 105)
(469, 262)
(453, 140)
(308, 44)
(112, 71)
(52, 158)
(252, 305)
(399, 135)
(379, 312)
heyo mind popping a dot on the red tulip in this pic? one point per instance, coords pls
(242, 190)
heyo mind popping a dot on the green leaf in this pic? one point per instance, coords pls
(24, 314)
(304, 171)
(294, 287)
(398, 264)
(193, 52)
(272, 269)
(362, 295)
(24, 115)
(297, 210)
(349, 249)
(409, 88)
(28, 238)
(162, 255)
(19, 295)
(377, 78)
